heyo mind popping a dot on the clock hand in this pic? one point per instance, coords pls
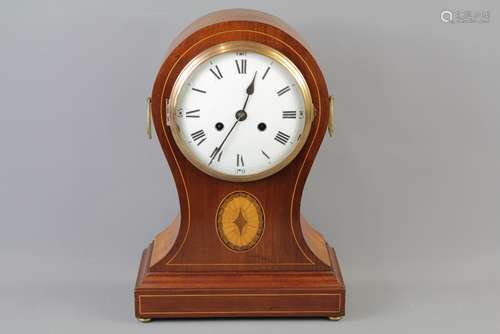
(241, 115)
(218, 148)
(250, 90)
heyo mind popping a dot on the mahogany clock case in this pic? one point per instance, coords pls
(187, 271)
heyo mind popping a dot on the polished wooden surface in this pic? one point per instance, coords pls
(283, 245)
(164, 241)
(190, 248)
(239, 294)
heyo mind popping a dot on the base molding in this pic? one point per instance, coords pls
(239, 294)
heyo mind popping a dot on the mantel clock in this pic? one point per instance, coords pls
(240, 108)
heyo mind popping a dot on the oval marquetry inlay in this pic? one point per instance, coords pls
(240, 221)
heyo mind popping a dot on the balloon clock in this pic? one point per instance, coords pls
(240, 108)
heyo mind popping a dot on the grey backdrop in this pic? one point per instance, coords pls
(408, 191)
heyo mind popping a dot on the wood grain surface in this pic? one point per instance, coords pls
(289, 249)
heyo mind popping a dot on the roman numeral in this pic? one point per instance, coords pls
(281, 137)
(283, 90)
(217, 74)
(199, 137)
(214, 152)
(193, 113)
(239, 161)
(199, 90)
(217, 152)
(289, 114)
(265, 73)
(241, 66)
(265, 154)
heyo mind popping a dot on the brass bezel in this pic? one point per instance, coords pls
(228, 47)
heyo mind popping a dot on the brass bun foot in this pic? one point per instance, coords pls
(144, 319)
(336, 318)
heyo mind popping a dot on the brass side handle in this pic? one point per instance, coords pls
(149, 118)
(167, 112)
(331, 118)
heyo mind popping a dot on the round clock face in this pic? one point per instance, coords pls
(240, 111)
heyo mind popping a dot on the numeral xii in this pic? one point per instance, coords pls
(241, 65)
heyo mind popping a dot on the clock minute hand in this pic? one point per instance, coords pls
(240, 115)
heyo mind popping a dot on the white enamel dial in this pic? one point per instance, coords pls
(240, 114)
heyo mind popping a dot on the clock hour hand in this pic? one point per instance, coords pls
(250, 90)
